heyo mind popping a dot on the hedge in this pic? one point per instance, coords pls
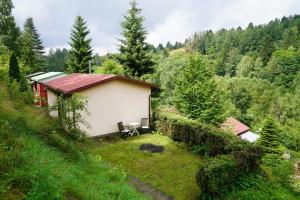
(219, 175)
(205, 139)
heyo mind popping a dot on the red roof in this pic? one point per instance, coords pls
(235, 125)
(77, 82)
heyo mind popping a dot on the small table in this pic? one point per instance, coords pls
(133, 126)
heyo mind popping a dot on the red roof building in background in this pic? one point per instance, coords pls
(235, 125)
(77, 82)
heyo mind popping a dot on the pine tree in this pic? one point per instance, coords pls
(270, 134)
(135, 52)
(160, 47)
(28, 57)
(14, 71)
(38, 44)
(266, 48)
(32, 47)
(9, 31)
(81, 51)
(290, 37)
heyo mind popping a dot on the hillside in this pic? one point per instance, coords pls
(39, 161)
(257, 69)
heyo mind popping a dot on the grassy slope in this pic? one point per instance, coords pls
(172, 171)
(34, 166)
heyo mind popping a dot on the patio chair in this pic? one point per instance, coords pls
(145, 124)
(124, 130)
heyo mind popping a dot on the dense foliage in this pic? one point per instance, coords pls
(110, 66)
(258, 70)
(196, 92)
(56, 60)
(9, 31)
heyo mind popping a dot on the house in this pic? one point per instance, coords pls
(239, 129)
(235, 125)
(110, 99)
(29, 76)
(39, 89)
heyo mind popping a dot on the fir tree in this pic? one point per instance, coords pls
(81, 51)
(9, 31)
(169, 45)
(14, 71)
(290, 37)
(270, 134)
(135, 52)
(32, 47)
(160, 47)
(38, 44)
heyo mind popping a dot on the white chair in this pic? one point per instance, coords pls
(145, 124)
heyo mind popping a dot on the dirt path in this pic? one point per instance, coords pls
(148, 190)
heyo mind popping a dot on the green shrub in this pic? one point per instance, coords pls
(216, 176)
(219, 175)
(71, 114)
(280, 168)
(248, 159)
(110, 66)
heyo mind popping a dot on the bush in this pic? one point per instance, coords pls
(219, 175)
(216, 176)
(72, 113)
(283, 170)
(110, 67)
(248, 159)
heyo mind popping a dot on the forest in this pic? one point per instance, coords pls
(251, 73)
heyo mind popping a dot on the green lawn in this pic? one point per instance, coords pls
(172, 171)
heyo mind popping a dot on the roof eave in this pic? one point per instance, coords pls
(99, 82)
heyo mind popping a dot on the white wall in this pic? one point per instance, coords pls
(111, 102)
(51, 101)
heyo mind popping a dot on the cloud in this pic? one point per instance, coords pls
(176, 27)
(167, 20)
(194, 16)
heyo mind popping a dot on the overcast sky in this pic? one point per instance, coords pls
(166, 20)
